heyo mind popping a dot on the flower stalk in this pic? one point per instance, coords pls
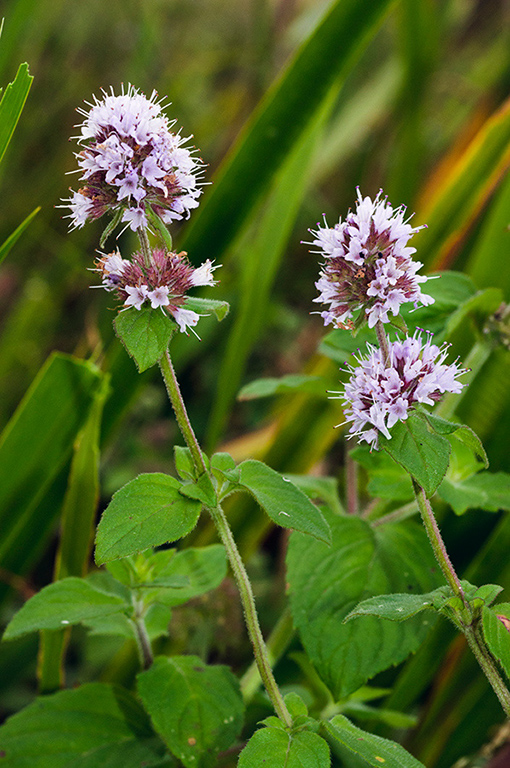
(225, 533)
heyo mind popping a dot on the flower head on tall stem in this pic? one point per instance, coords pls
(131, 160)
(368, 266)
(163, 284)
(378, 394)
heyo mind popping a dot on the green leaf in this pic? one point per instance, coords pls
(424, 454)
(396, 607)
(161, 228)
(224, 469)
(184, 463)
(12, 239)
(462, 432)
(197, 709)
(201, 489)
(294, 382)
(387, 479)
(203, 567)
(319, 488)
(391, 717)
(285, 504)
(497, 633)
(374, 750)
(147, 512)
(145, 333)
(66, 602)
(11, 106)
(326, 583)
(111, 227)
(35, 447)
(488, 490)
(206, 306)
(93, 725)
(295, 705)
(274, 748)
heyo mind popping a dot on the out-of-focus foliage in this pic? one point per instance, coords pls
(422, 111)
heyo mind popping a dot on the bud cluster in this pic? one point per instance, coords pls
(163, 283)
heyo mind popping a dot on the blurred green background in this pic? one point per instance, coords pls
(290, 113)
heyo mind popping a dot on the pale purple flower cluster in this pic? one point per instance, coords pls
(368, 265)
(131, 160)
(163, 283)
(378, 395)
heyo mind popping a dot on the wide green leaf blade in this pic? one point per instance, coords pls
(372, 749)
(34, 449)
(145, 333)
(93, 725)
(206, 306)
(147, 512)
(11, 105)
(488, 490)
(285, 504)
(397, 607)
(63, 603)
(496, 630)
(279, 121)
(13, 238)
(326, 583)
(275, 748)
(197, 709)
(203, 568)
(423, 453)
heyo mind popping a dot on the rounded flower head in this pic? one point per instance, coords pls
(368, 265)
(377, 396)
(131, 160)
(163, 284)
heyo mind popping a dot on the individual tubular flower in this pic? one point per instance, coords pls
(378, 395)
(368, 265)
(163, 284)
(131, 160)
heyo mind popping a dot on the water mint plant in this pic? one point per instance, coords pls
(349, 641)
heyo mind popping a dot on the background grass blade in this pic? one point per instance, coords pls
(11, 106)
(278, 123)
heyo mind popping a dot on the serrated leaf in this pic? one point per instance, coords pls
(184, 463)
(196, 709)
(374, 750)
(201, 489)
(203, 567)
(93, 725)
(145, 333)
(66, 602)
(321, 488)
(274, 748)
(462, 432)
(206, 306)
(423, 453)
(387, 479)
(147, 512)
(488, 490)
(396, 607)
(326, 583)
(294, 382)
(285, 504)
(497, 633)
